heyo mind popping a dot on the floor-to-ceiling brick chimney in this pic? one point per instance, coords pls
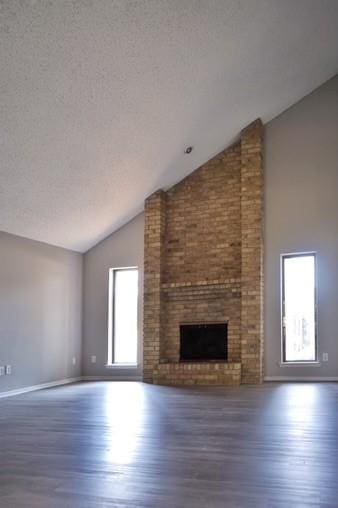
(204, 264)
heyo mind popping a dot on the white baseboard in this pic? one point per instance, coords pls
(300, 378)
(33, 388)
(60, 382)
(111, 378)
(67, 381)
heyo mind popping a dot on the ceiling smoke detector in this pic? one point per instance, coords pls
(188, 149)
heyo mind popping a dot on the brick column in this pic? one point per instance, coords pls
(252, 253)
(155, 207)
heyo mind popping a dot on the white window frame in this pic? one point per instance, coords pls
(111, 294)
(285, 362)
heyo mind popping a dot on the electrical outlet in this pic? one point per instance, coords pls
(8, 370)
(2, 370)
(74, 360)
(93, 359)
(325, 357)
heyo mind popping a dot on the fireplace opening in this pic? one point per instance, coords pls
(204, 342)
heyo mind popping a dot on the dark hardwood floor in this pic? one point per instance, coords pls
(133, 445)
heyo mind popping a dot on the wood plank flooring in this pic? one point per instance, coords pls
(131, 445)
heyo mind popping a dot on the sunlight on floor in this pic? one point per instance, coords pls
(124, 414)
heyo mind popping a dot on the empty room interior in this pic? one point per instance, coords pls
(169, 253)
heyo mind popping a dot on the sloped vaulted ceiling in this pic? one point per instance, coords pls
(99, 98)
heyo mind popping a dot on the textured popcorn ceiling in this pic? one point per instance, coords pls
(99, 98)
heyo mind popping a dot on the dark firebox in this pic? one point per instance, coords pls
(204, 342)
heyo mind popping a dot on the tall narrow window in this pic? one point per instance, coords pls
(299, 308)
(122, 325)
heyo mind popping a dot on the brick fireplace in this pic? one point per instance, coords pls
(204, 266)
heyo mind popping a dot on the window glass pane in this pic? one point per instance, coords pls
(299, 308)
(125, 316)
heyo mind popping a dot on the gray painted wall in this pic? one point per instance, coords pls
(41, 285)
(121, 249)
(301, 214)
(40, 312)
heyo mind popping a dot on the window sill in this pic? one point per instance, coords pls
(299, 364)
(121, 366)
